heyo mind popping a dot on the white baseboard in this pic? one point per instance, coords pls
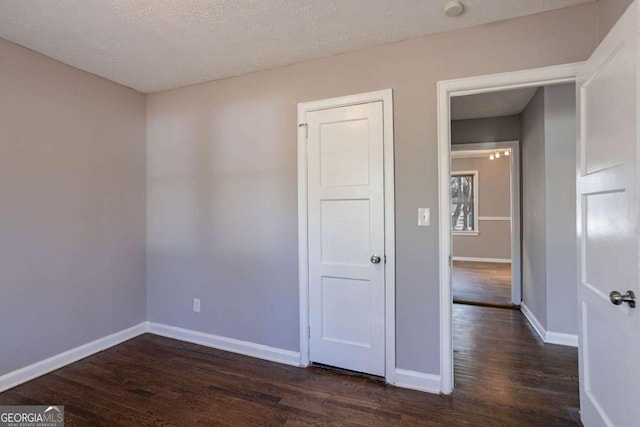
(420, 381)
(561, 339)
(45, 366)
(540, 330)
(233, 345)
(548, 337)
(414, 380)
(402, 378)
(500, 260)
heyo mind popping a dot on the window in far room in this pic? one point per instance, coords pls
(464, 204)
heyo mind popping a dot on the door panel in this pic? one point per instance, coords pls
(349, 297)
(602, 243)
(340, 166)
(345, 232)
(346, 227)
(604, 109)
(608, 233)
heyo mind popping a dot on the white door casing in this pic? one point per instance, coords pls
(608, 216)
(346, 216)
(557, 74)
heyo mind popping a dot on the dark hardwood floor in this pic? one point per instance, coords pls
(505, 376)
(498, 354)
(481, 282)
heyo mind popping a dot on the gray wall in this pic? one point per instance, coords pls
(560, 167)
(609, 11)
(549, 277)
(222, 192)
(493, 129)
(534, 220)
(494, 240)
(72, 215)
(71, 251)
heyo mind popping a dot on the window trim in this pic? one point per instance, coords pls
(476, 203)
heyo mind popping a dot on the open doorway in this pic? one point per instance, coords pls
(505, 131)
(513, 211)
(513, 220)
(485, 213)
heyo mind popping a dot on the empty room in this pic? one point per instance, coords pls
(295, 212)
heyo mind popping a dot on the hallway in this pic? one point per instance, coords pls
(497, 354)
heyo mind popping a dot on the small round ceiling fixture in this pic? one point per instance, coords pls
(453, 8)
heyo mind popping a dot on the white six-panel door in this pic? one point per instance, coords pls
(608, 237)
(345, 230)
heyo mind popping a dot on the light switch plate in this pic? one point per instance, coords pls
(424, 217)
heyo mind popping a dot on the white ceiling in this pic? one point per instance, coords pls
(152, 45)
(492, 104)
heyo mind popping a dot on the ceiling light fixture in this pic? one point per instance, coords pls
(453, 8)
(495, 154)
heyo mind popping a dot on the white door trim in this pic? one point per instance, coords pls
(565, 73)
(514, 217)
(386, 97)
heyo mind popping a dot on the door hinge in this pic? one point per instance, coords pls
(306, 129)
(450, 261)
(385, 259)
(308, 331)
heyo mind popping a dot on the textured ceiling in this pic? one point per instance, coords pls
(492, 104)
(152, 45)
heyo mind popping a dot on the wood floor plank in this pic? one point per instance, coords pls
(504, 375)
(481, 282)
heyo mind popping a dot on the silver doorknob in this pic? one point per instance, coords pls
(617, 298)
(375, 259)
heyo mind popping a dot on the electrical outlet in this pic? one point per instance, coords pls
(196, 305)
